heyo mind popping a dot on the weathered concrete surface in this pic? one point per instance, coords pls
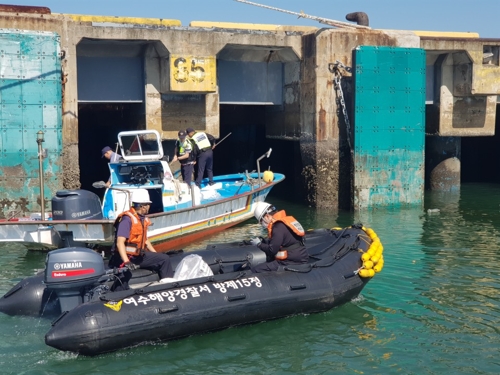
(466, 86)
(455, 111)
(24, 9)
(309, 111)
(442, 163)
(251, 26)
(446, 175)
(285, 122)
(71, 168)
(164, 111)
(169, 111)
(115, 20)
(326, 154)
(152, 76)
(484, 77)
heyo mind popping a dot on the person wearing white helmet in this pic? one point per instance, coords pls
(285, 243)
(132, 247)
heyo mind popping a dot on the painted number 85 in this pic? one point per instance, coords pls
(182, 74)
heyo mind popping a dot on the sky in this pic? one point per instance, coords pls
(480, 16)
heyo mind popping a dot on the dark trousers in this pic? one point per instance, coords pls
(150, 261)
(273, 265)
(187, 173)
(266, 267)
(205, 162)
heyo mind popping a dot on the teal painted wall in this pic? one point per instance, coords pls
(31, 100)
(389, 126)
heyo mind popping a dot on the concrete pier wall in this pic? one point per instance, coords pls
(326, 153)
(181, 67)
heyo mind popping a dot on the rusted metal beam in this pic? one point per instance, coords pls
(24, 9)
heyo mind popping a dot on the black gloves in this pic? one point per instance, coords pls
(131, 266)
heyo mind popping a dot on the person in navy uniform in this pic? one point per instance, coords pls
(285, 243)
(185, 153)
(112, 157)
(132, 248)
(205, 143)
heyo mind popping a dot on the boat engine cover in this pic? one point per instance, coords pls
(76, 204)
(75, 266)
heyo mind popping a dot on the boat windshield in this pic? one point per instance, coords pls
(140, 145)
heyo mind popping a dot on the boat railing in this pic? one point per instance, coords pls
(13, 214)
(102, 184)
(266, 155)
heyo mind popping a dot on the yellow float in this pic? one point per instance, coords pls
(373, 260)
(268, 176)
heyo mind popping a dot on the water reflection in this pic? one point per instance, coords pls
(433, 309)
(458, 290)
(17, 263)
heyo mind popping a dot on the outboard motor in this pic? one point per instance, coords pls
(76, 205)
(71, 272)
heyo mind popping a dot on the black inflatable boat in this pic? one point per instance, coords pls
(96, 320)
(35, 296)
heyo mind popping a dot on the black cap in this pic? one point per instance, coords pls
(189, 130)
(181, 134)
(104, 150)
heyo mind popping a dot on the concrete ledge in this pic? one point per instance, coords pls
(446, 34)
(251, 26)
(122, 20)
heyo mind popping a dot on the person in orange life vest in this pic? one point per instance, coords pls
(285, 243)
(132, 247)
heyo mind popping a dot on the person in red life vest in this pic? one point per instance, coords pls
(132, 247)
(285, 243)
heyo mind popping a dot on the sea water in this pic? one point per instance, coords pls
(434, 308)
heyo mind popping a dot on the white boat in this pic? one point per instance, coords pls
(180, 214)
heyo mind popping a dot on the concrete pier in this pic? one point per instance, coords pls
(273, 85)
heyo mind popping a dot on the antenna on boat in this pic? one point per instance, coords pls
(266, 155)
(322, 20)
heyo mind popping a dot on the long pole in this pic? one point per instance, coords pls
(215, 145)
(40, 171)
(218, 143)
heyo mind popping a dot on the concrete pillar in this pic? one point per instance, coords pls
(442, 163)
(212, 114)
(152, 97)
(326, 153)
(319, 138)
(70, 160)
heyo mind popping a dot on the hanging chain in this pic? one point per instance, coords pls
(335, 68)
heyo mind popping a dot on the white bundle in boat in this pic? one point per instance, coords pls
(210, 192)
(190, 267)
